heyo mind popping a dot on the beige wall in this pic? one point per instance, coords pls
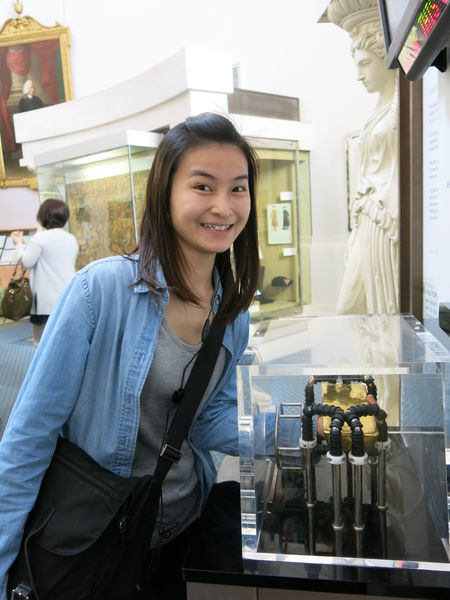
(18, 208)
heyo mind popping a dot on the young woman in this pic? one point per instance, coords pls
(50, 255)
(125, 332)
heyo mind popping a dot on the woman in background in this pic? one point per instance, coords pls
(50, 255)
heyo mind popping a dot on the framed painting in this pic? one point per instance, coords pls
(34, 73)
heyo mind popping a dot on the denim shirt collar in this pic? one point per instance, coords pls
(142, 287)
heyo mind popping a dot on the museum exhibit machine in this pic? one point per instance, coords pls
(343, 437)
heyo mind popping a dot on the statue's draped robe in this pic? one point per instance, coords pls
(370, 282)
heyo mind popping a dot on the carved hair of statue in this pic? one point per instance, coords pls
(369, 39)
(360, 19)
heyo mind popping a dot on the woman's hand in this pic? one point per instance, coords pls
(17, 237)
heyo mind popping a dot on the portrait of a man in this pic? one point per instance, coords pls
(29, 101)
(34, 74)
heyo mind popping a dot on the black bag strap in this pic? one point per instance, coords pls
(193, 393)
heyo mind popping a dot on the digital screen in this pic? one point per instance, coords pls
(425, 23)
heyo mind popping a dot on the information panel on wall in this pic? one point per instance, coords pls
(436, 191)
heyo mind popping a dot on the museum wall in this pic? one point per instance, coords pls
(436, 190)
(18, 208)
(280, 49)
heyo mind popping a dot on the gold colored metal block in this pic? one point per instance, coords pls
(344, 396)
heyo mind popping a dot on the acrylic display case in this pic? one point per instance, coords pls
(103, 182)
(343, 423)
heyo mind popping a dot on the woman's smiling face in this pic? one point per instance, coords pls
(210, 199)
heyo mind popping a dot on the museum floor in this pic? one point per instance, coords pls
(16, 353)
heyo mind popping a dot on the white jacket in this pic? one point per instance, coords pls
(50, 255)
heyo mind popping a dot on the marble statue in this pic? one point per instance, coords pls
(370, 282)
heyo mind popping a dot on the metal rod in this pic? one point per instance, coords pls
(358, 462)
(311, 532)
(358, 541)
(349, 480)
(373, 461)
(383, 533)
(310, 496)
(337, 499)
(337, 507)
(338, 541)
(382, 480)
(357, 471)
(358, 525)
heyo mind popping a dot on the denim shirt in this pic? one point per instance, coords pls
(85, 382)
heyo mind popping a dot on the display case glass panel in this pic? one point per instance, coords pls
(284, 227)
(365, 490)
(104, 189)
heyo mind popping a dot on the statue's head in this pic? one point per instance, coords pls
(372, 71)
(369, 56)
(361, 20)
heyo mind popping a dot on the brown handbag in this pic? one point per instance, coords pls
(17, 297)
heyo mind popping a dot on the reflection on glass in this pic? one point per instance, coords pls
(105, 193)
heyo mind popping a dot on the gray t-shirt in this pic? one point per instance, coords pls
(181, 489)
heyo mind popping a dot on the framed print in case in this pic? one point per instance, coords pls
(279, 223)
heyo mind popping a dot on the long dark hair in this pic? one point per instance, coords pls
(238, 266)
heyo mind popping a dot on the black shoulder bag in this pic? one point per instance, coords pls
(89, 533)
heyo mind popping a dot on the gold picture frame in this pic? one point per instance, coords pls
(33, 52)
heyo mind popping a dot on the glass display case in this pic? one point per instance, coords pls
(343, 430)
(284, 227)
(103, 182)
